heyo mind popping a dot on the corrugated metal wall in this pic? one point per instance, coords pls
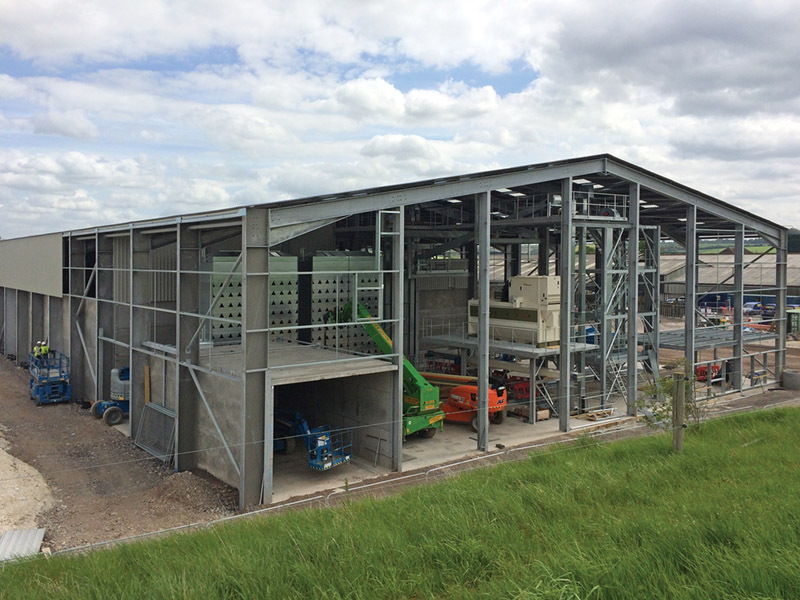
(164, 284)
(122, 260)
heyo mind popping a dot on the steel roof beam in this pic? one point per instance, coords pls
(338, 207)
(714, 207)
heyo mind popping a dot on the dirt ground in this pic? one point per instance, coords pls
(85, 482)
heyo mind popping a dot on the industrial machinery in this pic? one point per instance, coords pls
(326, 449)
(49, 381)
(532, 314)
(461, 405)
(421, 411)
(113, 410)
(461, 398)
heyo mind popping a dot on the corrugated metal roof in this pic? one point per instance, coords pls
(18, 543)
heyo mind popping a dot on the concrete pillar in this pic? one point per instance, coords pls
(24, 345)
(38, 319)
(10, 339)
(2, 320)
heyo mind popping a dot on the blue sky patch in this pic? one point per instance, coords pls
(516, 79)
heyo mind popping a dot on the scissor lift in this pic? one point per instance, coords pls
(49, 382)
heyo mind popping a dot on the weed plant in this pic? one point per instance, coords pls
(627, 519)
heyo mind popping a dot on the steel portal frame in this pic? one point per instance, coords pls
(113, 309)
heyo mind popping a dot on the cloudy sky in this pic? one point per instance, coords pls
(114, 111)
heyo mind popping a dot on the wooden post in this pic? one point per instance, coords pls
(678, 411)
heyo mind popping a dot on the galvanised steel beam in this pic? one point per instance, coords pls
(581, 301)
(690, 302)
(187, 300)
(566, 260)
(714, 207)
(651, 278)
(282, 234)
(398, 341)
(780, 304)
(738, 312)
(633, 295)
(482, 235)
(256, 450)
(605, 248)
(357, 202)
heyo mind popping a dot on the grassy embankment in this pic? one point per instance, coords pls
(619, 520)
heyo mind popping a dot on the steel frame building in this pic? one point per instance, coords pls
(222, 314)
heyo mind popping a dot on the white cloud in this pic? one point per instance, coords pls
(72, 123)
(369, 99)
(169, 106)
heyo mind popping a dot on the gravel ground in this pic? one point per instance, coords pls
(86, 482)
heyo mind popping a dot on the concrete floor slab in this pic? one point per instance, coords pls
(293, 478)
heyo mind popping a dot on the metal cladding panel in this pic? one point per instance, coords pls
(18, 543)
(334, 280)
(282, 299)
(32, 264)
(122, 262)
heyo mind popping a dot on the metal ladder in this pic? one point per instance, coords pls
(358, 284)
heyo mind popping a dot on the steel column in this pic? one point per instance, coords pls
(691, 288)
(633, 296)
(269, 434)
(566, 259)
(398, 277)
(738, 313)
(780, 304)
(255, 350)
(581, 300)
(483, 210)
(187, 300)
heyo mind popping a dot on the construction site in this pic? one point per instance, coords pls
(308, 344)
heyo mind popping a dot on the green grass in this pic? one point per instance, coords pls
(618, 520)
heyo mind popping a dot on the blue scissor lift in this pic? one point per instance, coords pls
(49, 378)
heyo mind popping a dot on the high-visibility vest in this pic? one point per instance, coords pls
(37, 350)
(45, 349)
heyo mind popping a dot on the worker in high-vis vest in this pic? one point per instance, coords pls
(45, 349)
(37, 350)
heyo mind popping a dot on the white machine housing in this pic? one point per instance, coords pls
(531, 316)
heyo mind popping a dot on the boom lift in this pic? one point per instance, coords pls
(118, 405)
(421, 411)
(461, 405)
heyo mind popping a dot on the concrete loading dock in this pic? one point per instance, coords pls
(222, 316)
